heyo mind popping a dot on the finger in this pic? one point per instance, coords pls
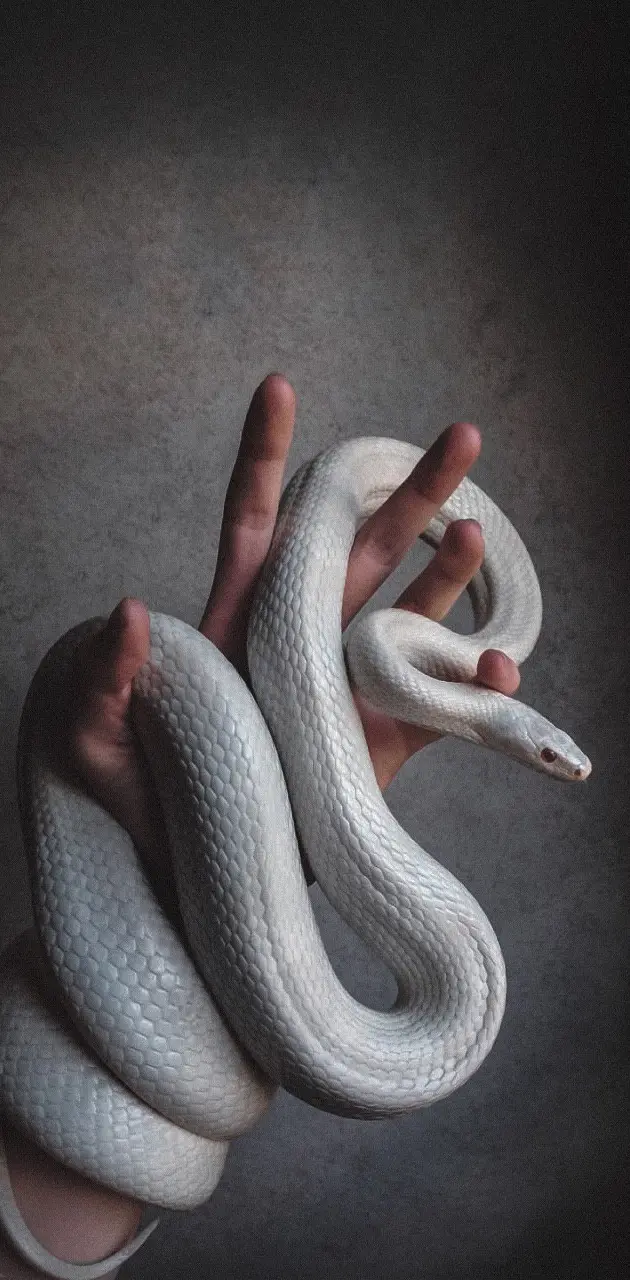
(392, 742)
(102, 751)
(455, 563)
(250, 510)
(386, 536)
(254, 488)
(496, 671)
(439, 586)
(111, 659)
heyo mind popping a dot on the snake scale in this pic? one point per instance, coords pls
(134, 1055)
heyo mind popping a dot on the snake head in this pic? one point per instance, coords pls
(535, 741)
(561, 758)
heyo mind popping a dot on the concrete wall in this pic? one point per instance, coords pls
(416, 215)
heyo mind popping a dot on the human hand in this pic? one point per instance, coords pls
(69, 1215)
(104, 750)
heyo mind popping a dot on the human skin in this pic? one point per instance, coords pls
(73, 1218)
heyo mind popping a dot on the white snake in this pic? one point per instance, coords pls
(124, 1069)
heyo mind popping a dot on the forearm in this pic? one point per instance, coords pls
(74, 1219)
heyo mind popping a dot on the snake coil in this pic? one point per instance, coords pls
(135, 1056)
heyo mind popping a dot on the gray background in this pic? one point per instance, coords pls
(416, 215)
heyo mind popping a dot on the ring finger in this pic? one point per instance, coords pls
(439, 586)
(387, 536)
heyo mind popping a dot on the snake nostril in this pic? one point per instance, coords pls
(548, 755)
(577, 773)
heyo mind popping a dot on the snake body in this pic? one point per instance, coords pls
(134, 1055)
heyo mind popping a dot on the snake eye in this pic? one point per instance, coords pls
(548, 755)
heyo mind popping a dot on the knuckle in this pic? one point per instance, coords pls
(425, 486)
(388, 542)
(248, 504)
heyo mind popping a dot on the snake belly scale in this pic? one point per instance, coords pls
(134, 1055)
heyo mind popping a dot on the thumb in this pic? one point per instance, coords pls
(120, 649)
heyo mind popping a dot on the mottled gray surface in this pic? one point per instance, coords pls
(417, 219)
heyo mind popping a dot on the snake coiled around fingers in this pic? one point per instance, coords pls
(134, 1055)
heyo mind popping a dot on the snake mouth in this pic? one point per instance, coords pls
(582, 770)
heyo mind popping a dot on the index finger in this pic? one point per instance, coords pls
(249, 513)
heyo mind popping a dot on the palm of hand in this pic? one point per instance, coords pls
(102, 748)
